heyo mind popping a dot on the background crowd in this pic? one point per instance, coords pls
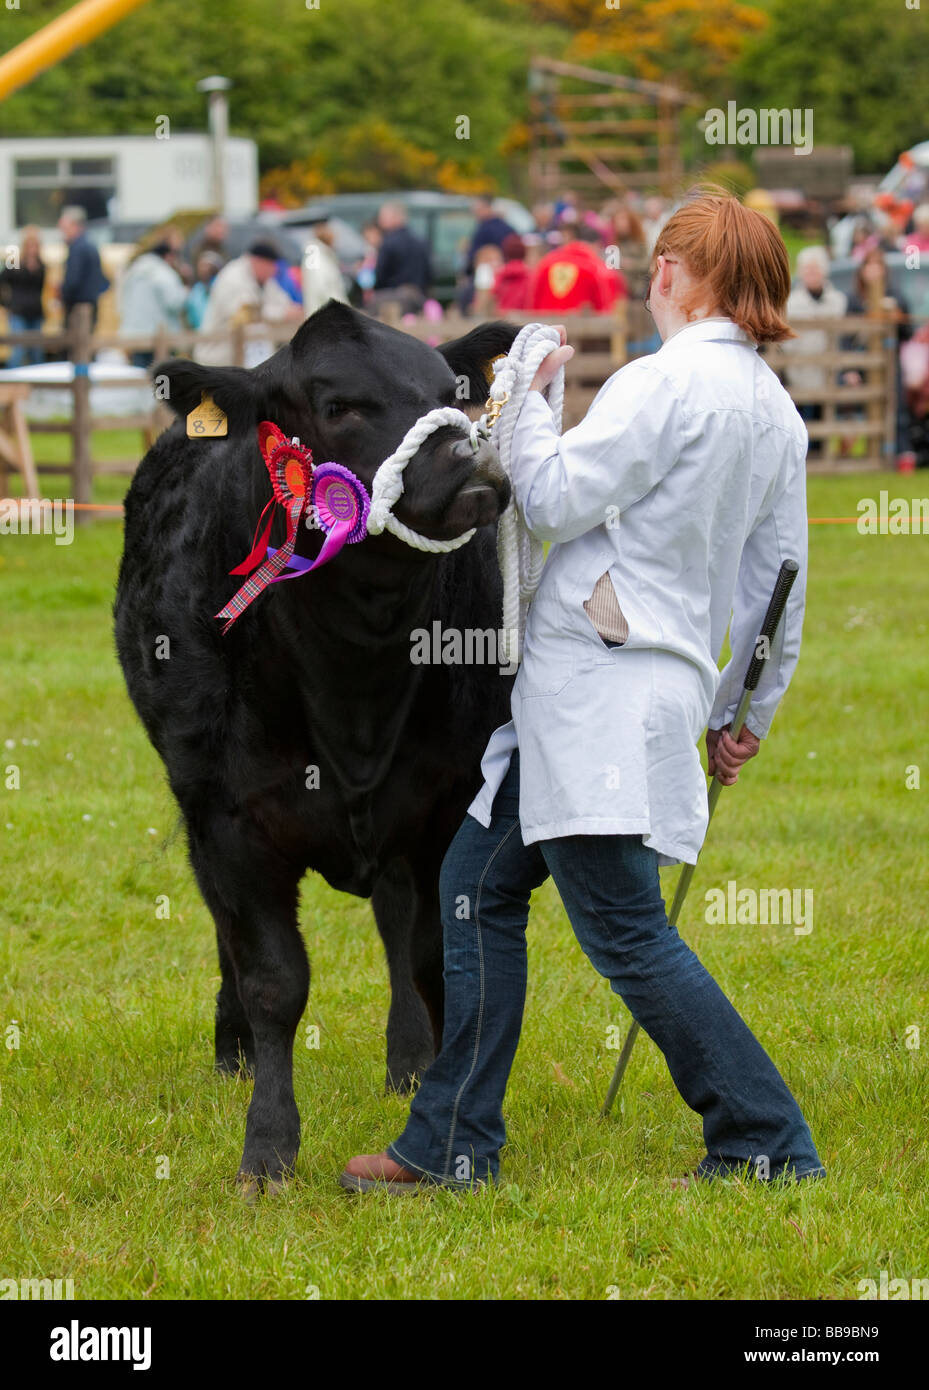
(576, 260)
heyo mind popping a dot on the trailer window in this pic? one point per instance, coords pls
(37, 168)
(85, 167)
(42, 187)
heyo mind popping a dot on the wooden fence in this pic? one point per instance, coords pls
(855, 428)
(81, 344)
(600, 340)
(846, 370)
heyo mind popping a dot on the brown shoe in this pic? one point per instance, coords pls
(379, 1173)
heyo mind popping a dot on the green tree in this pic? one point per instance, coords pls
(859, 67)
(688, 43)
(303, 78)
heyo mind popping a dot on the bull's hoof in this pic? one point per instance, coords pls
(264, 1177)
(402, 1080)
(267, 1164)
(233, 1050)
(251, 1186)
(233, 1064)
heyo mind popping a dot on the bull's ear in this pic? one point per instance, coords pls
(472, 355)
(181, 384)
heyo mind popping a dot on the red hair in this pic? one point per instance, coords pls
(739, 259)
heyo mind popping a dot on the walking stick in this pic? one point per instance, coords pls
(786, 576)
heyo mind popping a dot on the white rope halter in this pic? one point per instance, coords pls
(387, 484)
(520, 556)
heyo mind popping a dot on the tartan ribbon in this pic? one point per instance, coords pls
(335, 498)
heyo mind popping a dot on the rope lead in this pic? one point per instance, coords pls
(521, 557)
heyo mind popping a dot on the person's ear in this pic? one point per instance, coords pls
(665, 278)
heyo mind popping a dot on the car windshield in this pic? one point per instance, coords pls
(911, 284)
(451, 230)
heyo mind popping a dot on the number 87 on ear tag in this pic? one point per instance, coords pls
(207, 420)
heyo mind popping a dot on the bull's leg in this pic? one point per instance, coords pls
(411, 1038)
(274, 979)
(427, 953)
(252, 892)
(235, 1045)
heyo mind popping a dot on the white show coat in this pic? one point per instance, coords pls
(235, 296)
(686, 482)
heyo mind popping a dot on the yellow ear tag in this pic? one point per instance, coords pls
(488, 367)
(207, 420)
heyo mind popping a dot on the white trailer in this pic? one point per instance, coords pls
(127, 178)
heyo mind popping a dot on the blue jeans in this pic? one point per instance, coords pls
(610, 889)
(22, 356)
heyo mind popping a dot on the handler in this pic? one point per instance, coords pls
(671, 505)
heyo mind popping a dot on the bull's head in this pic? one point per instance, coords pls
(350, 388)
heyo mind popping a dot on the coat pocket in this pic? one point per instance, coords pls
(606, 617)
(547, 679)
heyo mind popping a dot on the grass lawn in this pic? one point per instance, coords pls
(120, 1144)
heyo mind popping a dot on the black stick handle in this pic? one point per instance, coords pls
(785, 578)
(783, 584)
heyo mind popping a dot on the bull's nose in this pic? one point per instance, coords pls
(487, 470)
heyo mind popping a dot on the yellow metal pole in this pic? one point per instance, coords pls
(57, 39)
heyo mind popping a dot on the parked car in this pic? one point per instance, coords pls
(241, 234)
(102, 231)
(910, 283)
(444, 220)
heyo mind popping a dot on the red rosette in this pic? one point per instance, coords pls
(289, 465)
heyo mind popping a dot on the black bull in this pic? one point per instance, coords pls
(316, 674)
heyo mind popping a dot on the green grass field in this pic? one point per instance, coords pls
(113, 1004)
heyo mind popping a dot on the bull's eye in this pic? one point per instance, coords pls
(338, 407)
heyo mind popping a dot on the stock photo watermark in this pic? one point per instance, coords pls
(35, 1289)
(38, 516)
(739, 125)
(777, 907)
(884, 1288)
(469, 646)
(77, 1343)
(893, 516)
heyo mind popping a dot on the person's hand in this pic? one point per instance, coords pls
(550, 366)
(725, 755)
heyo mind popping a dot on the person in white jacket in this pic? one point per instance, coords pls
(244, 291)
(322, 277)
(670, 506)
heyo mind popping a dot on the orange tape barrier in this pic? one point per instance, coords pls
(115, 507)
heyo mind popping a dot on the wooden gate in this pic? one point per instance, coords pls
(600, 134)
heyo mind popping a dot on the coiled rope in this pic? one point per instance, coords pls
(387, 484)
(520, 555)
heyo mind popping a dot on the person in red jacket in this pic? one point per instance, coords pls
(511, 282)
(574, 277)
